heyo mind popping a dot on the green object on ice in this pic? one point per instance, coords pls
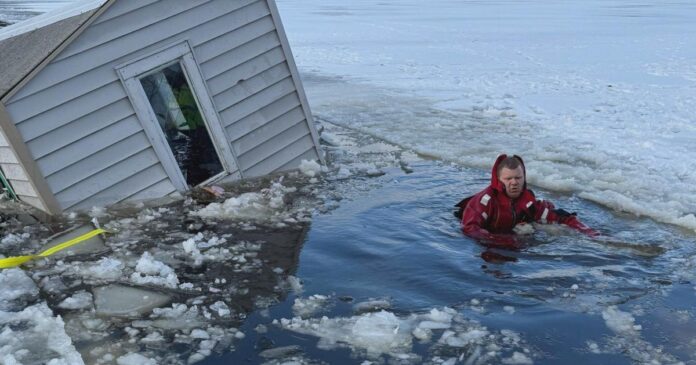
(7, 187)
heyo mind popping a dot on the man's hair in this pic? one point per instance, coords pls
(510, 162)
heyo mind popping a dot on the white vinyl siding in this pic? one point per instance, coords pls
(16, 176)
(82, 130)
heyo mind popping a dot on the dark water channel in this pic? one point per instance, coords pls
(399, 242)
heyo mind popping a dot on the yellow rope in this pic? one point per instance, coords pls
(18, 260)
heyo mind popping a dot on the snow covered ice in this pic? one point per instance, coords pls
(596, 96)
(414, 102)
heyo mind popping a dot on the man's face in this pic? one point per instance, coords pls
(513, 179)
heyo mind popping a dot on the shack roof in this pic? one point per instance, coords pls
(25, 45)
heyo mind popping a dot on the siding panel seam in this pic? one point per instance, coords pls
(85, 157)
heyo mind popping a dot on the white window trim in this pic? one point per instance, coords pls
(130, 74)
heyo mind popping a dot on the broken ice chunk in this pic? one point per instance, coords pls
(119, 300)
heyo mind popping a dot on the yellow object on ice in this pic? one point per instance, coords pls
(18, 260)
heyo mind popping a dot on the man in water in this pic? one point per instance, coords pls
(491, 215)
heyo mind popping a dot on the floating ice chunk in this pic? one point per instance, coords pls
(518, 358)
(36, 328)
(422, 334)
(200, 334)
(510, 309)
(375, 333)
(14, 239)
(309, 306)
(213, 241)
(310, 168)
(153, 337)
(220, 308)
(150, 271)
(444, 315)
(343, 172)
(135, 359)
(431, 325)
(379, 331)
(280, 352)
(118, 300)
(295, 284)
(620, 322)
(105, 269)
(371, 306)
(79, 300)
(330, 138)
(178, 317)
(593, 347)
(523, 229)
(262, 205)
(15, 287)
(463, 339)
(379, 147)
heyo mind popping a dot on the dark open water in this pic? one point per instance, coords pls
(400, 242)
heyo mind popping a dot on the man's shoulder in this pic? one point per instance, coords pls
(484, 197)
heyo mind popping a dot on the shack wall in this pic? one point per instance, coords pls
(82, 130)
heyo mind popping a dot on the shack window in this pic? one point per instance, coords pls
(179, 117)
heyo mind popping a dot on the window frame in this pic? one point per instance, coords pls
(130, 74)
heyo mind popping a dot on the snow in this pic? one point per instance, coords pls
(597, 98)
(68, 9)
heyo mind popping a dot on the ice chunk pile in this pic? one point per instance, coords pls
(30, 334)
(200, 250)
(41, 338)
(384, 333)
(267, 204)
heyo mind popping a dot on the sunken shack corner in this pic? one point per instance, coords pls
(111, 101)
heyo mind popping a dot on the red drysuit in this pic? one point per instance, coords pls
(490, 215)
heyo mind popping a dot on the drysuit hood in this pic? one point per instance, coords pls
(495, 182)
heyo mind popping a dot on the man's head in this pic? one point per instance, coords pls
(511, 175)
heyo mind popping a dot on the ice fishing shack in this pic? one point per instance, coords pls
(107, 101)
